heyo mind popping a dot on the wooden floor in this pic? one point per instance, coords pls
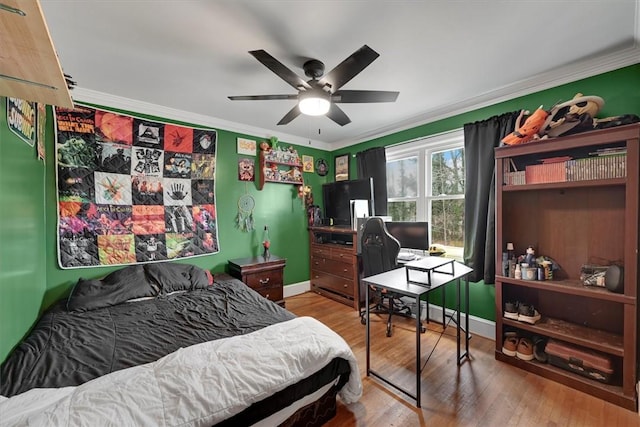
(481, 392)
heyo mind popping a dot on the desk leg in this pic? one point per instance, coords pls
(458, 319)
(467, 335)
(444, 306)
(418, 371)
(367, 327)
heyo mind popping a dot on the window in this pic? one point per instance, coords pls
(425, 182)
(402, 188)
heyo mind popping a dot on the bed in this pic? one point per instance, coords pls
(168, 344)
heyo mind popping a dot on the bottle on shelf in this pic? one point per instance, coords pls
(518, 271)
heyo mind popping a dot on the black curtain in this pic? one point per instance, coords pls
(373, 163)
(480, 139)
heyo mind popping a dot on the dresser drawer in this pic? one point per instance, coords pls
(332, 252)
(338, 268)
(339, 254)
(320, 251)
(338, 284)
(319, 262)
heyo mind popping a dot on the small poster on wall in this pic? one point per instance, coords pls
(246, 169)
(21, 119)
(247, 147)
(307, 163)
(342, 168)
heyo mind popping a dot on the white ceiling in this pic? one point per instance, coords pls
(444, 57)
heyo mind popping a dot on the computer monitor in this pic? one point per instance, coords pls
(411, 235)
(337, 199)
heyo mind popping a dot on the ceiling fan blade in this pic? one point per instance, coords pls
(355, 96)
(280, 69)
(349, 68)
(261, 97)
(337, 115)
(292, 114)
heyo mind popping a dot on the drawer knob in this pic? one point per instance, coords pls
(264, 281)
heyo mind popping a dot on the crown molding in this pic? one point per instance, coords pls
(82, 95)
(556, 77)
(553, 78)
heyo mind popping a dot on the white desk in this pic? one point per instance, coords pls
(396, 281)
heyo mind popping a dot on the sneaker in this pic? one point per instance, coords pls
(524, 351)
(511, 310)
(528, 314)
(510, 344)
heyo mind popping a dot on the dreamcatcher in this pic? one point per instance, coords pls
(244, 219)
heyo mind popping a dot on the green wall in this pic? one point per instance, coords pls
(30, 279)
(22, 235)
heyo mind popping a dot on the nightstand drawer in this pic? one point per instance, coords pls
(273, 293)
(264, 279)
(263, 275)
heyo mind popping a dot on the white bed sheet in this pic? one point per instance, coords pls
(195, 386)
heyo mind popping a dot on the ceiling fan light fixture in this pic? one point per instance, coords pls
(314, 103)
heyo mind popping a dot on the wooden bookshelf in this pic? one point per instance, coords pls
(588, 213)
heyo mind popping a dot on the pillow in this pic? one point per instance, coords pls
(171, 277)
(121, 285)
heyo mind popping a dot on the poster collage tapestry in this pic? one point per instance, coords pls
(132, 190)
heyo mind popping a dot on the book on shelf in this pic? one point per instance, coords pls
(603, 167)
(607, 164)
(560, 159)
(544, 173)
(612, 151)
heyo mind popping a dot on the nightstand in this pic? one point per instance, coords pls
(263, 275)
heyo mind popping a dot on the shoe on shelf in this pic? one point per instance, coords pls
(539, 344)
(524, 350)
(528, 314)
(510, 344)
(511, 310)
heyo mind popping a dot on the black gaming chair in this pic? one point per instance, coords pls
(379, 251)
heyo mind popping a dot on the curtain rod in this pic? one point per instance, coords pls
(435, 135)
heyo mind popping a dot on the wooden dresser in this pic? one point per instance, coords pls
(263, 275)
(334, 264)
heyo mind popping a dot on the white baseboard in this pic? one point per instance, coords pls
(477, 325)
(297, 288)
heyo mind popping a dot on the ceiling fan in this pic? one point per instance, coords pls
(320, 95)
